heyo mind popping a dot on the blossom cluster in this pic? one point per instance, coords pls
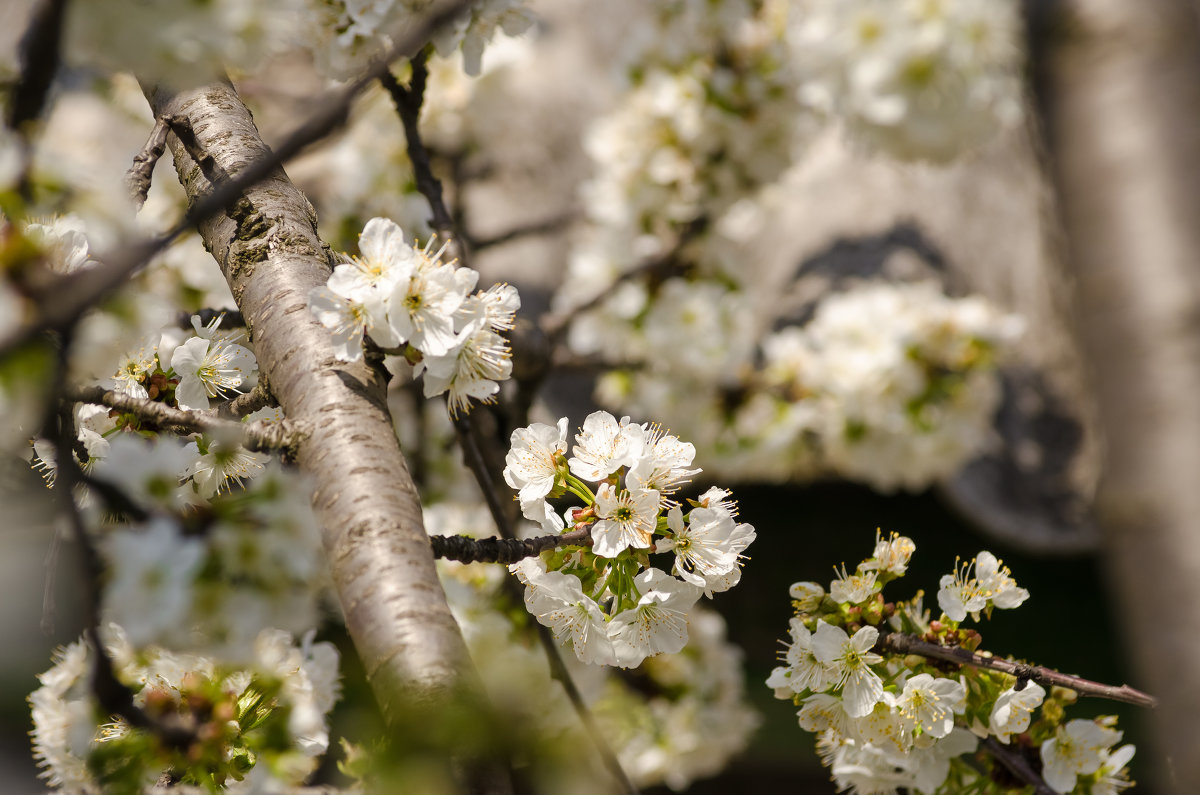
(887, 721)
(153, 360)
(607, 601)
(897, 383)
(684, 719)
(891, 384)
(399, 295)
(678, 179)
(915, 80)
(263, 722)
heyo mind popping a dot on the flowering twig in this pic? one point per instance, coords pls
(558, 669)
(901, 643)
(75, 293)
(1016, 764)
(504, 550)
(408, 105)
(282, 436)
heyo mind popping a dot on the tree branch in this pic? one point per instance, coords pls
(139, 175)
(901, 643)
(283, 436)
(504, 550)
(39, 51)
(382, 567)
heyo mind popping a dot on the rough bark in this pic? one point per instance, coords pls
(268, 248)
(1124, 121)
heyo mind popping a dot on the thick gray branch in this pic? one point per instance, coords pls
(365, 499)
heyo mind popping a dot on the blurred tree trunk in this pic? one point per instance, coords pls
(1123, 119)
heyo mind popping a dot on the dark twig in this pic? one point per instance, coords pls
(283, 436)
(139, 175)
(1019, 766)
(504, 550)
(408, 106)
(74, 293)
(910, 644)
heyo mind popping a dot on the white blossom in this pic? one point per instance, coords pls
(851, 658)
(209, 369)
(604, 446)
(1078, 748)
(557, 601)
(531, 465)
(1013, 710)
(627, 519)
(658, 624)
(153, 571)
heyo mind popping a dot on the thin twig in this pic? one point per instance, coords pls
(558, 669)
(60, 305)
(504, 550)
(901, 643)
(281, 436)
(408, 106)
(1016, 764)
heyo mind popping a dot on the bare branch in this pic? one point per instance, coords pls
(504, 550)
(408, 106)
(283, 436)
(138, 177)
(901, 643)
